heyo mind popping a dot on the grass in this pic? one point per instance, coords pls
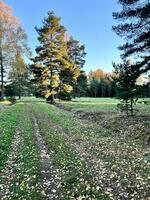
(107, 105)
(91, 104)
(8, 123)
(27, 183)
(126, 161)
(76, 179)
(97, 153)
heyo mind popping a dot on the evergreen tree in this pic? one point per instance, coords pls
(76, 53)
(94, 87)
(52, 58)
(125, 85)
(81, 86)
(135, 29)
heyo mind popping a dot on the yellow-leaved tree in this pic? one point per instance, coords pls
(12, 39)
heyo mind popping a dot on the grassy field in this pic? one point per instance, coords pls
(98, 104)
(84, 149)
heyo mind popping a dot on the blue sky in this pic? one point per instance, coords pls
(88, 21)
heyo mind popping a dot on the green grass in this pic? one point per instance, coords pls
(122, 155)
(76, 179)
(107, 105)
(91, 104)
(116, 141)
(8, 123)
(27, 183)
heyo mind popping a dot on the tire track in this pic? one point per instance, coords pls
(51, 180)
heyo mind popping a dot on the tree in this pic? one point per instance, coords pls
(53, 65)
(18, 75)
(126, 86)
(12, 39)
(81, 86)
(94, 86)
(135, 29)
(103, 82)
(97, 74)
(76, 53)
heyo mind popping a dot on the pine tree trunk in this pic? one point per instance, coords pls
(50, 99)
(19, 96)
(19, 90)
(131, 106)
(127, 107)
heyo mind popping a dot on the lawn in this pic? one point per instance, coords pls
(91, 104)
(98, 104)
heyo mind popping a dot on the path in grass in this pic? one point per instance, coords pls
(96, 165)
(51, 180)
(120, 167)
(76, 176)
(28, 172)
(41, 164)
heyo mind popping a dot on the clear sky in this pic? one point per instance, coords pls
(89, 21)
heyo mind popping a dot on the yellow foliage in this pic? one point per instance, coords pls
(48, 93)
(96, 74)
(67, 88)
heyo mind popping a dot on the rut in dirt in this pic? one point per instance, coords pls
(51, 180)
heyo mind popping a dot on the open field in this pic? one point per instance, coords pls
(79, 150)
(98, 104)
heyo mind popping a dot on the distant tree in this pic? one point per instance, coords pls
(81, 86)
(12, 39)
(93, 87)
(103, 82)
(125, 85)
(52, 63)
(97, 74)
(135, 29)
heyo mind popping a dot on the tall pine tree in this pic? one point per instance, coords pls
(135, 29)
(53, 63)
(52, 58)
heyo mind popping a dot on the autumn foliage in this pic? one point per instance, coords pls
(12, 39)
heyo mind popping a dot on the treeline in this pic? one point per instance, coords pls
(98, 83)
